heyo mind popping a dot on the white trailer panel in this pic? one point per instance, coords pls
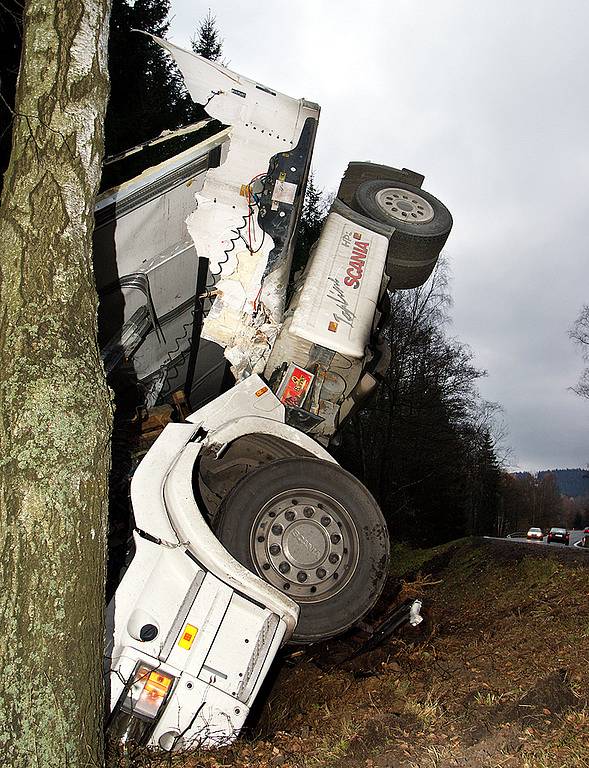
(338, 301)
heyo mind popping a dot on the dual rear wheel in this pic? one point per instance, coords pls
(422, 225)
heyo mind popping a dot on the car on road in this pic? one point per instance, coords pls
(558, 535)
(535, 534)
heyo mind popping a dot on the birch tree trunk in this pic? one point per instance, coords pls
(54, 403)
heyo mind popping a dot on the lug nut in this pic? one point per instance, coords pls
(274, 549)
(333, 558)
(321, 573)
(277, 529)
(289, 515)
(308, 511)
(284, 567)
(325, 521)
(301, 576)
(335, 538)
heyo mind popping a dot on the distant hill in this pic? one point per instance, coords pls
(570, 482)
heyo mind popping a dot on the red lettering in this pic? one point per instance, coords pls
(356, 263)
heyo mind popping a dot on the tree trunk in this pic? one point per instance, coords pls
(54, 404)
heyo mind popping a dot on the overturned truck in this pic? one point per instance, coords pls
(248, 535)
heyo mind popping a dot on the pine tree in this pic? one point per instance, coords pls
(207, 42)
(314, 211)
(147, 91)
(489, 483)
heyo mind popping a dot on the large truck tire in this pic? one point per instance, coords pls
(314, 532)
(422, 225)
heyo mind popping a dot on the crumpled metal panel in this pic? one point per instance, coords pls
(246, 315)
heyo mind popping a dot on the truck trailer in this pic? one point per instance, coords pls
(248, 535)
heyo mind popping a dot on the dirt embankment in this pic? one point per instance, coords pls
(497, 674)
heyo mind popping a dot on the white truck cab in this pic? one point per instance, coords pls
(248, 534)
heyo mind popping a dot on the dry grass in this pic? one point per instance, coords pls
(443, 695)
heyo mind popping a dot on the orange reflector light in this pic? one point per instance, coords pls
(154, 690)
(187, 637)
(157, 684)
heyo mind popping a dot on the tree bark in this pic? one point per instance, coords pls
(54, 403)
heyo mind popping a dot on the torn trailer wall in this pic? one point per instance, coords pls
(246, 211)
(232, 196)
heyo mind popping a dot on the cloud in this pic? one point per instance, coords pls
(488, 100)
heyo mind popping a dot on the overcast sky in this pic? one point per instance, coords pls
(490, 100)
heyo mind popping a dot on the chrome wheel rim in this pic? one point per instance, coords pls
(305, 543)
(402, 205)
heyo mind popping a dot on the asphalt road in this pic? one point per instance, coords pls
(574, 536)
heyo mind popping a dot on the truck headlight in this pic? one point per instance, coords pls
(138, 708)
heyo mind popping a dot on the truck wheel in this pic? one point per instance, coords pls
(314, 532)
(422, 225)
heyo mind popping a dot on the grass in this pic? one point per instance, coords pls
(333, 746)
(406, 561)
(489, 698)
(429, 711)
(567, 747)
(496, 627)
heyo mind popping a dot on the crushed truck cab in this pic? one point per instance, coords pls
(248, 534)
(194, 631)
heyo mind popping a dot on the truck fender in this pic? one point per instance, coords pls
(232, 430)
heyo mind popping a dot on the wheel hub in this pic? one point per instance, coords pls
(305, 544)
(402, 205)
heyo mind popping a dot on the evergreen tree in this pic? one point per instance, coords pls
(487, 480)
(147, 91)
(315, 208)
(207, 42)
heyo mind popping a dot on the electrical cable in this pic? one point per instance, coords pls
(173, 363)
(237, 232)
